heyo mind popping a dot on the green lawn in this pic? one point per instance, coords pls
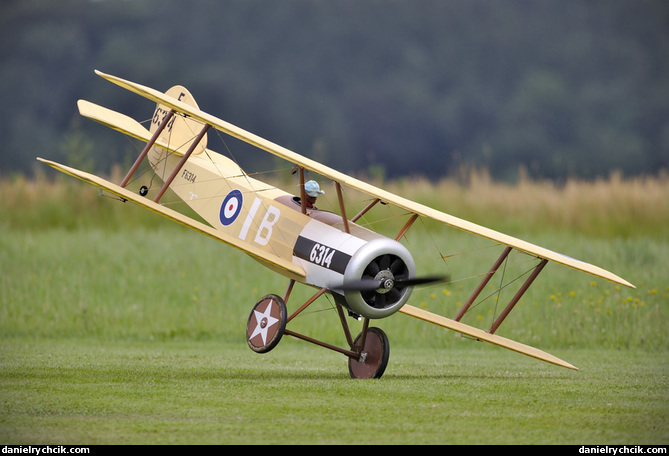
(92, 392)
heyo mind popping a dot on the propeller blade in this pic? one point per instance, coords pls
(362, 285)
(409, 282)
(365, 284)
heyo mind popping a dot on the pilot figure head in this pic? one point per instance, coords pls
(312, 190)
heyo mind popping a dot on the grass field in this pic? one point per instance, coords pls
(119, 327)
(85, 391)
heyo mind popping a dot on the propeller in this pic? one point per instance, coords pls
(384, 279)
(370, 284)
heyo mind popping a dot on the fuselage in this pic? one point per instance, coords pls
(259, 214)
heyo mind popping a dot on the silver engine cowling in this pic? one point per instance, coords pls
(388, 263)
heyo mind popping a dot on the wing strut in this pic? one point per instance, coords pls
(181, 164)
(406, 227)
(342, 207)
(148, 147)
(518, 295)
(303, 193)
(365, 210)
(483, 283)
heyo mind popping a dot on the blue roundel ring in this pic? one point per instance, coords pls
(231, 207)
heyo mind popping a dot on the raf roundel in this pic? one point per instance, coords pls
(231, 207)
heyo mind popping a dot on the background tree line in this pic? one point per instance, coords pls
(560, 88)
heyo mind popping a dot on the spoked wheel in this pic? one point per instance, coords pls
(266, 323)
(373, 357)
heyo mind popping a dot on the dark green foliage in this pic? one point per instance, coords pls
(558, 88)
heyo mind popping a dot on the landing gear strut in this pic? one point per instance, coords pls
(367, 356)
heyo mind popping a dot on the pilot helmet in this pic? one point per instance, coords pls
(313, 189)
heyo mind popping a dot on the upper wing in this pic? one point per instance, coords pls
(364, 187)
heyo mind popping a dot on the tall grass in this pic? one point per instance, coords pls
(76, 264)
(616, 207)
(603, 208)
(63, 202)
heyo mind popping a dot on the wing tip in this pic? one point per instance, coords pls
(630, 285)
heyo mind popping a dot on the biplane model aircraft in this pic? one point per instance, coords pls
(366, 274)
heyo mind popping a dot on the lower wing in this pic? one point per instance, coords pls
(264, 257)
(483, 335)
